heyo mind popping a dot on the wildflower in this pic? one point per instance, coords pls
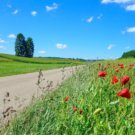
(114, 79)
(121, 65)
(124, 93)
(125, 79)
(74, 109)
(102, 73)
(131, 65)
(66, 98)
(117, 70)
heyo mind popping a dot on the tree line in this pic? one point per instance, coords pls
(24, 48)
(128, 54)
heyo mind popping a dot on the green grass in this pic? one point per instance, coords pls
(37, 60)
(12, 65)
(104, 113)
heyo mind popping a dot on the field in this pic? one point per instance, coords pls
(99, 100)
(12, 65)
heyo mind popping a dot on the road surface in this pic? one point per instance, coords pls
(17, 91)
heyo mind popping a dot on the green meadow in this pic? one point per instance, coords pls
(12, 65)
(85, 104)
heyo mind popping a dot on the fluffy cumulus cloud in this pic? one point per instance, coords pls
(131, 30)
(42, 52)
(11, 36)
(90, 19)
(54, 6)
(15, 11)
(116, 1)
(129, 5)
(34, 13)
(61, 46)
(110, 47)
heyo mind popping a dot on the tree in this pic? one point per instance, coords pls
(29, 47)
(128, 54)
(24, 48)
(20, 45)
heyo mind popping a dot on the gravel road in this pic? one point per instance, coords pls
(16, 91)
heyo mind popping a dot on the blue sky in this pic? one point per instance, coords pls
(86, 29)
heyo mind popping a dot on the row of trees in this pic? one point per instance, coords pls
(24, 48)
(129, 54)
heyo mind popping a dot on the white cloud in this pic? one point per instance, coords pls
(131, 30)
(117, 1)
(2, 41)
(110, 47)
(2, 47)
(42, 52)
(15, 11)
(130, 7)
(34, 13)
(52, 7)
(90, 19)
(11, 36)
(61, 46)
(100, 16)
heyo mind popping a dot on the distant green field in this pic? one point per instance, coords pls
(12, 65)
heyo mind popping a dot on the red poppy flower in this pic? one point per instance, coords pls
(121, 65)
(114, 79)
(81, 111)
(117, 70)
(102, 73)
(131, 65)
(124, 93)
(125, 79)
(66, 98)
(74, 109)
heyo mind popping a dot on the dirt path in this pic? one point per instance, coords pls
(17, 91)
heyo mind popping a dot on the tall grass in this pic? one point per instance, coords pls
(93, 106)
